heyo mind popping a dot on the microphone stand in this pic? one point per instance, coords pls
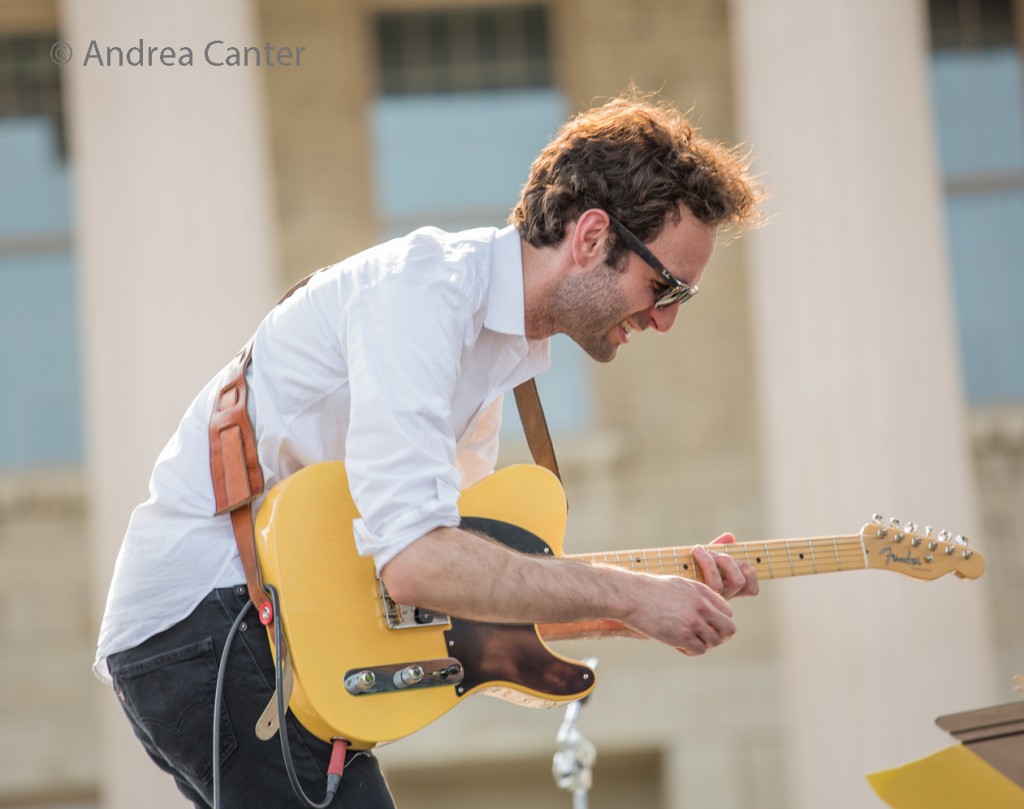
(573, 762)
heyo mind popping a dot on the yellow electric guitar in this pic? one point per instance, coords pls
(369, 670)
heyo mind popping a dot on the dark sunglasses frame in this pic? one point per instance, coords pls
(677, 291)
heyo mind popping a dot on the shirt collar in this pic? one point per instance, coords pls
(506, 309)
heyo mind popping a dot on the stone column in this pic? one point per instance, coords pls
(860, 385)
(176, 256)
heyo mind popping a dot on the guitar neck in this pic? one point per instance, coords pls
(775, 559)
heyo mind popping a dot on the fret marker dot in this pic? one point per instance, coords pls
(758, 559)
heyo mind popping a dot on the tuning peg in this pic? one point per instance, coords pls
(945, 536)
(933, 545)
(962, 540)
(968, 553)
(877, 519)
(911, 527)
(927, 530)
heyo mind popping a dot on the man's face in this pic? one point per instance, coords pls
(602, 306)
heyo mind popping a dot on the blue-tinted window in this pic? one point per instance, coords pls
(40, 420)
(466, 104)
(986, 233)
(457, 160)
(979, 104)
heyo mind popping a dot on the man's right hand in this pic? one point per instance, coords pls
(685, 614)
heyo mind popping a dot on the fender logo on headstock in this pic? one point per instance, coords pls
(922, 556)
(893, 558)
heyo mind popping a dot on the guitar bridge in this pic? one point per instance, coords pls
(401, 616)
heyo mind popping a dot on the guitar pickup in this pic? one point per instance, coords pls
(403, 677)
(400, 616)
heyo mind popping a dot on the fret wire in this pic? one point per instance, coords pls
(864, 550)
(688, 567)
(848, 552)
(854, 551)
(851, 554)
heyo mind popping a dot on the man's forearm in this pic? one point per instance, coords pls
(459, 573)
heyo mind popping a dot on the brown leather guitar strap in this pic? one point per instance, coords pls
(235, 466)
(535, 426)
(238, 478)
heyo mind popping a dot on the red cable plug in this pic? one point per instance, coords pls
(335, 768)
(337, 765)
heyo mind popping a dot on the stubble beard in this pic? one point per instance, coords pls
(587, 307)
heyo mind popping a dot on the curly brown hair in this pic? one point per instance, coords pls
(636, 159)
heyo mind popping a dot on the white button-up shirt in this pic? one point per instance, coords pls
(395, 361)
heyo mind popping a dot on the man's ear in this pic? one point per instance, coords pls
(590, 238)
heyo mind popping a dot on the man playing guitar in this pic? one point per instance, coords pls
(395, 361)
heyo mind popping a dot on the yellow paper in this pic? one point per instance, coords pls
(953, 778)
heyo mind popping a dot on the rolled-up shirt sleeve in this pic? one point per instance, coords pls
(403, 343)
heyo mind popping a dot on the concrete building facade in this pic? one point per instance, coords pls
(821, 375)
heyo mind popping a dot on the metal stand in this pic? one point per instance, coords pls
(573, 762)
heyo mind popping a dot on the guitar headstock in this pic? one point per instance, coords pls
(890, 546)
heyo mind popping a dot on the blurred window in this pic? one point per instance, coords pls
(979, 106)
(463, 50)
(39, 376)
(466, 102)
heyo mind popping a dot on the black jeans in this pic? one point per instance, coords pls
(166, 687)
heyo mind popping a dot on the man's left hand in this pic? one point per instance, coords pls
(722, 573)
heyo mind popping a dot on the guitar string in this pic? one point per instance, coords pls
(698, 575)
(806, 567)
(849, 556)
(745, 551)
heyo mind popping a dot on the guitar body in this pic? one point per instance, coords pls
(336, 621)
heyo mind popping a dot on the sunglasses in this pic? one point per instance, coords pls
(675, 291)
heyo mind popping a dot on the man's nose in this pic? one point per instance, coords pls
(663, 318)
